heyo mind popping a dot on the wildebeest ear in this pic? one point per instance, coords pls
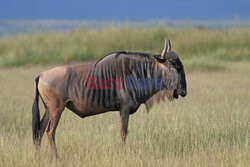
(167, 48)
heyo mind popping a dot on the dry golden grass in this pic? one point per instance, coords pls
(209, 127)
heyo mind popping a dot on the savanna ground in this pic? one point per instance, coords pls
(209, 127)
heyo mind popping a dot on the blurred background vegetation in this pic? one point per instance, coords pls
(199, 48)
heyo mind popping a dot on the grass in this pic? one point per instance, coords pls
(196, 46)
(209, 127)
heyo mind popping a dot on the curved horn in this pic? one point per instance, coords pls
(165, 49)
(169, 46)
(170, 55)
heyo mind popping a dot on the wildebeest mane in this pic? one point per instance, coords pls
(141, 54)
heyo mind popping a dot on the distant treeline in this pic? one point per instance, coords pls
(198, 47)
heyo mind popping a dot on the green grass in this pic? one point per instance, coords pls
(209, 127)
(195, 46)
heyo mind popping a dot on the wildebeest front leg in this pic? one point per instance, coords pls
(124, 116)
(124, 125)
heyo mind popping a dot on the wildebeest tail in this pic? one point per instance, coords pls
(36, 114)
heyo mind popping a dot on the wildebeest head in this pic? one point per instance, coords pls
(171, 59)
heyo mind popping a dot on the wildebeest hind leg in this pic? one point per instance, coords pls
(54, 118)
(43, 124)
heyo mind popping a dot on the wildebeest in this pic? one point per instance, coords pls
(120, 81)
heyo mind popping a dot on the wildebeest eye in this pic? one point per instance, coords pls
(176, 65)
